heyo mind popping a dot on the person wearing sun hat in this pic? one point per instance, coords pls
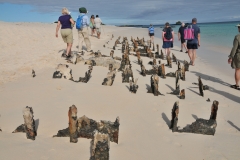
(83, 34)
(234, 59)
(66, 23)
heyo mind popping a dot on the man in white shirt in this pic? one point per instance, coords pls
(98, 23)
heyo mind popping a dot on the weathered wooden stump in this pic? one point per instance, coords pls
(200, 85)
(214, 110)
(29, 124)
(174, 121)
(100, 146)
(133, 85)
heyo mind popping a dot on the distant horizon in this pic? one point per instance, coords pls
(123, 12)
(130, 24)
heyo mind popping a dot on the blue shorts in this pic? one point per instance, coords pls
(192, 46)
(151, 34)
(167, 44)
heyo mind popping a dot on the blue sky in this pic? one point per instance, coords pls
(123, 11)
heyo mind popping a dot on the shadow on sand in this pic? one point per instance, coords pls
(194, 116)
(165, 118)
(36, 124)
(210, 78)
(170, 87)
(233, 125)
(225, 94)
(194, 91)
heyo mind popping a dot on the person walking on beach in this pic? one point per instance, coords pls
(66, 23)
(151, 33)
(92, 25)
(83, 32)
(234, 59)
(98, 23)
(168, 38)
(192, 45)
(181, 37)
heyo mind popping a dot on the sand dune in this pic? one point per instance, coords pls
(144, 118)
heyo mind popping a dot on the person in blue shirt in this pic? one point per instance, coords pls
(192, 45)
(181, 37)
(151, 33)
(83, 32)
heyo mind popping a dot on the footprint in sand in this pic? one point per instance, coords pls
(155, 109)
(159, 124)
(59, 88)
(166, 139)
(217, 154)
(177, 145)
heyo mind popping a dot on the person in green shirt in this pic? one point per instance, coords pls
(234, 59)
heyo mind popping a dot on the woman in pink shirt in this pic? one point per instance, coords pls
(168, 38)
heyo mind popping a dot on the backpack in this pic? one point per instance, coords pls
(168, 34)
(189, 33)
(151, 30)
(79, 22)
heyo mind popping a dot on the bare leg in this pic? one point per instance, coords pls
(168, 51)
(152, 39)
(194, 56)
(190, 54)
(237, 76)
(99, 35)
(69, 46)
(184, 44)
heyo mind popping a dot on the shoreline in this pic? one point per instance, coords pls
(208, 52)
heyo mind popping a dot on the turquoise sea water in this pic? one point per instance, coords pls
(217, 34)
(216, 44)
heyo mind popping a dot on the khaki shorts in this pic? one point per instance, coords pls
(98, 30)
(67, 35)
(236, 61)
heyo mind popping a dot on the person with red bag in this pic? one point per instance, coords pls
(193, 44)
(168, 38)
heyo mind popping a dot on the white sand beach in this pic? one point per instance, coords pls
(144, 118)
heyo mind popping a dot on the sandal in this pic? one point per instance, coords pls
(69, 56)
(235, 87)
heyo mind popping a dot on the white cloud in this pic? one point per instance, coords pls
(142, 11)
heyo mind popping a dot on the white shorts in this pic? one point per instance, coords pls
(98, 30)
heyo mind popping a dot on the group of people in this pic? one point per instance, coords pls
(168, 39)
(95, 25)
(194, 43)
(66, 22)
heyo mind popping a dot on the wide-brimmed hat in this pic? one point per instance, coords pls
(82, 10)
(238, 25)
